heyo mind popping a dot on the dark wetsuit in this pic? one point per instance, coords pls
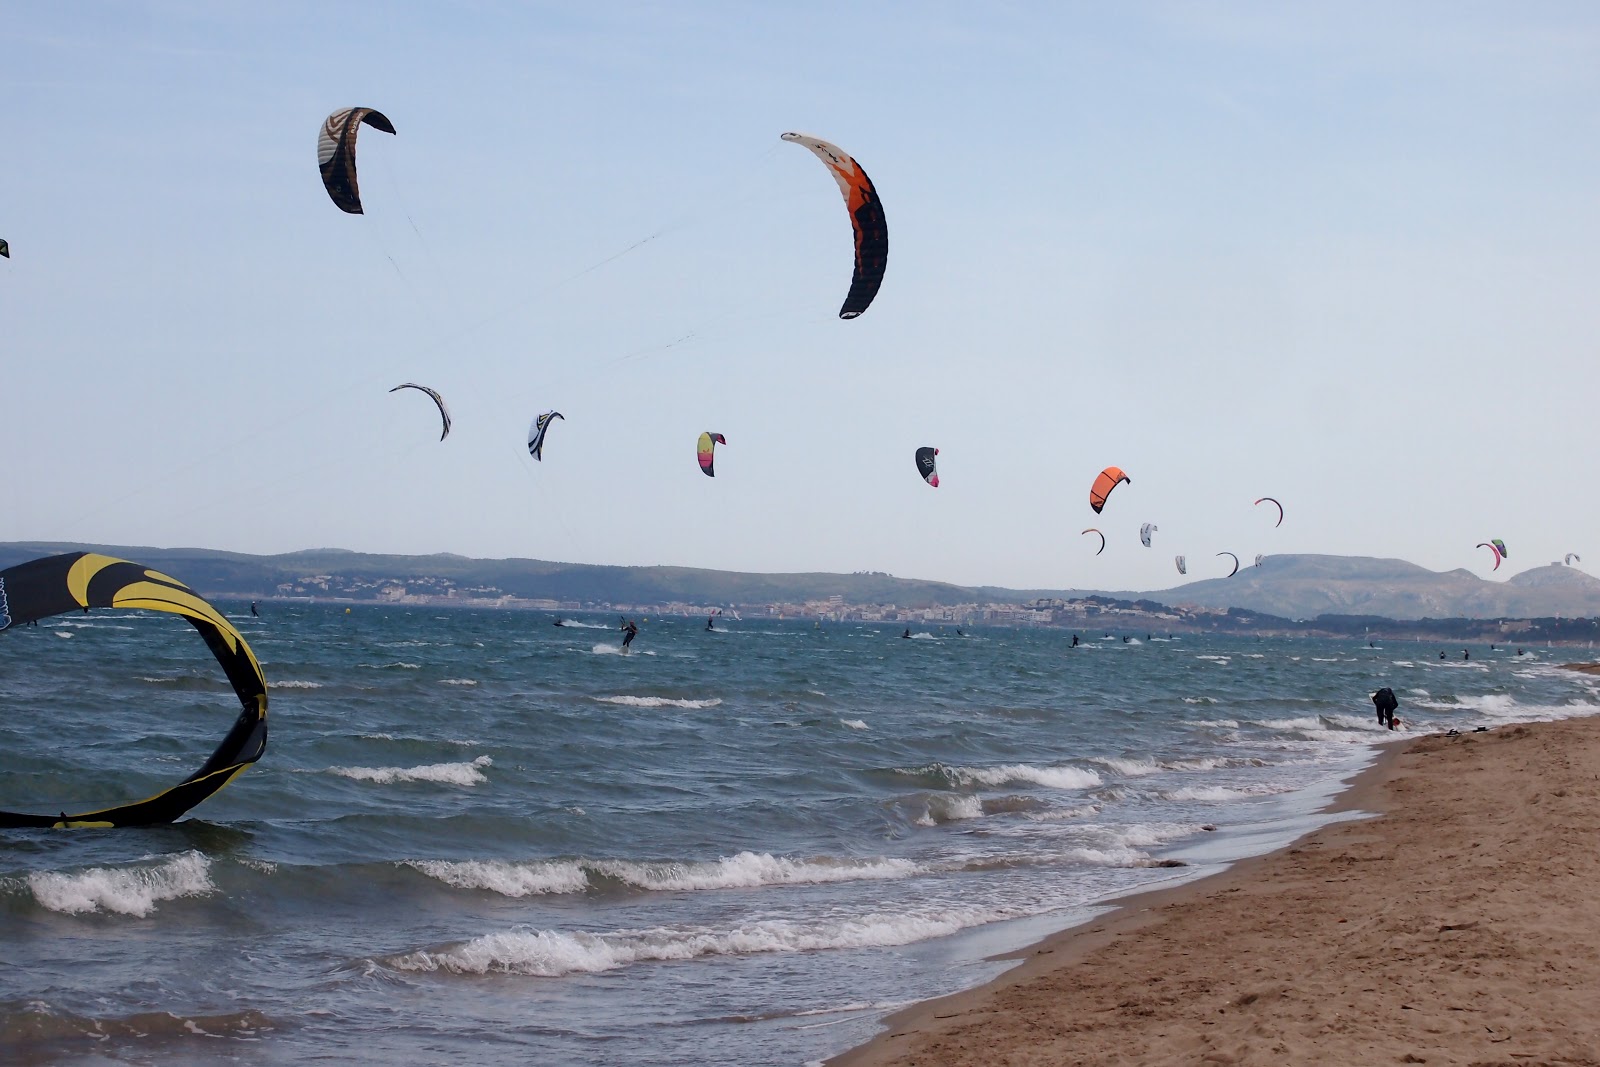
(629, 632)
(1384, 700)
(1074, 640)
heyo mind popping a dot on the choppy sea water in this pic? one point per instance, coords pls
(477, 837)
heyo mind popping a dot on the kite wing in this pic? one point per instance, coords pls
(1501, 547)
(1183, 564)
(444, 412)
(81, 580)
(926, 466)
(1102, 548)
(1235, 559)
(1573, 556)
(1145, 531)
(1108, 480)
(1490, 546)
(866, 215)
(1259, 559)
(336, 153)
(5, 249)
(1274, 503)
(705, 449)
(536, 432)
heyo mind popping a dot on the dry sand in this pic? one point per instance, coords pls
(1460, 927)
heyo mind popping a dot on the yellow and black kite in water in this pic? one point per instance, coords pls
(866, 216)
(336, 153)
(81, 580)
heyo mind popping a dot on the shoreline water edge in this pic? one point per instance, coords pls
(1455, 924)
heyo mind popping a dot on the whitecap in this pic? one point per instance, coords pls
(127, 890)
(445, 773)
(854, 724)
(659, 702)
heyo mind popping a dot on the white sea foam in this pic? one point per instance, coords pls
(746, 870)
(923, 636)
(1221, 724)
(445, 773)
(1220, 793)
(506, 878)
(854, 724)
(950, 807)
(551, 953)
(1128, 768)
(1050, 777)
(62, 633)
(616, 650)
(123, 890)
(396, 665)
(294, 684)
(458, 681)
(659, 702)
(1199, 700)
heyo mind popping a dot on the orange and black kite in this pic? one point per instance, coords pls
(866, 215)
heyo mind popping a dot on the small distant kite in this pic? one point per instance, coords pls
(1145, 531)
(336, 153)
(1235, 559)
(1259, 559)
(705, 449)
(1498, 555)
(536, 432)
(926, 466)
(5, 249)
(1274, 503)
(444, 412)
(1501, 546)
(1183, 564)
(1106, 481)
(1102, 548)
(1573, 556)
(866, 216)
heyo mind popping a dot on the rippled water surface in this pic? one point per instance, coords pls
(477, 837)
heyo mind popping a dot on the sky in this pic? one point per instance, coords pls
(1342, 254)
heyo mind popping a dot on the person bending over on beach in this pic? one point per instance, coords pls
(1384, 700)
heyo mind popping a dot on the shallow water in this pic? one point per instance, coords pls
(476, 837)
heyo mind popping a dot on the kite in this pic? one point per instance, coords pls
(1498, 555)
(444, 412)
(1573, 556)
(1102, 548)
(1501, 546)
(77, 581)
(1235, 562)
(704, 450)
(1274, 503)
(1259, 559)
(1108, 480)
(5, 249)
(1145, 531)
(926, 467)
(336, 153)
(866, 216)
(1183, 564)
(536, 432)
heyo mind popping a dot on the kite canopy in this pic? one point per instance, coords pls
(1573, 556)
(444, 412)
(1102, 548)
(536, 432)
(81, 580)
(1108, 480)
(705, 448)
(1145, 531)
(1259, 559)
(866, 216)
(1235, 559)
(336, 153)
(1183, 564)
(1501, 547)
(1498, 555)
(1274, 503)
(5, 249)
(926, 466)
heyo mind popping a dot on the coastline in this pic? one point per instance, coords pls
(1459, 925)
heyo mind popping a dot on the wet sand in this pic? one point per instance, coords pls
(1461, 926)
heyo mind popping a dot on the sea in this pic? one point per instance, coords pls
(477, 837)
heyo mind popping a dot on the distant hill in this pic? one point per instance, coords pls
(1306, 586)
(1288, 586)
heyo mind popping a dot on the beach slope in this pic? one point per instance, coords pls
(1462, 926)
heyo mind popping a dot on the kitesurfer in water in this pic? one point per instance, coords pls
(629, 632)
(1074, 640)
(710, 622)
(558, 622)
(907, 633)
(1465, 655)
(253, 611)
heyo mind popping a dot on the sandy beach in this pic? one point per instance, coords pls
(1460, 926)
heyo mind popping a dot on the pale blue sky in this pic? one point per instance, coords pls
(1345, 255)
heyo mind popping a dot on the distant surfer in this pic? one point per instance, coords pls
(711, 622)
(1465, 655)
(959, 633)
(629, 632)
(1074, 640)
(253, 612)
(907, 633)
(558, 622)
